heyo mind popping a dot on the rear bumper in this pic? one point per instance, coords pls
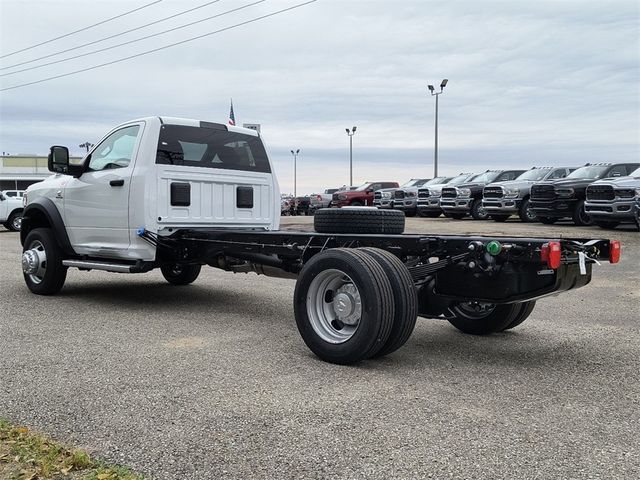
(502, 205)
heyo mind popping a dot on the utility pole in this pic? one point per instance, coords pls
(435, 152)
(351, 133)
(295, 161)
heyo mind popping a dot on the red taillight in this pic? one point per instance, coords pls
(614, 251)
(319, 198)
(552, 254)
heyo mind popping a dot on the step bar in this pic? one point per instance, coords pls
(96, 265)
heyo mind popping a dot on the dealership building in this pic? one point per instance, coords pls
(17, 172)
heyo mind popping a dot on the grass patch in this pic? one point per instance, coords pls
(25, 455)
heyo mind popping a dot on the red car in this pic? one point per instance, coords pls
(361, 196)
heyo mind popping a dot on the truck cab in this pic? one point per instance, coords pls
(156, 173)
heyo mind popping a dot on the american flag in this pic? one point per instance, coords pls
(232, 117)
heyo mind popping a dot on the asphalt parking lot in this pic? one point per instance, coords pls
(213, 381)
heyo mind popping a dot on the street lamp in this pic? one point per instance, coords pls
(295, 161)
(351, 133)
(436, 94)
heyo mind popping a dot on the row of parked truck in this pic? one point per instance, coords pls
(605, 194)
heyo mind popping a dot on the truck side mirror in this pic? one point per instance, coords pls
(2, 199)
(58, 160)
(369, 190)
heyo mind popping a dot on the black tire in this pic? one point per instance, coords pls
(178, 274)
(54, 274)
(477, 212)
(405, 299)
(525, 310)
(14, 222)
(547, 220)
(375, 322)
(526, 213)
(356, 203)
(500, 218)
(580, 217)
(358, 220)
(455, 216)
(496, 319)
(608, 224)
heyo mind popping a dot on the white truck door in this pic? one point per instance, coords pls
(210, 176)
(96, 205)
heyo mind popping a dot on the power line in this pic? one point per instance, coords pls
(80, 30)
(130, 41)
(112, 36)
(161, 48)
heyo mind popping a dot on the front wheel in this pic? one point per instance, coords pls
(526, 213)
(178, 274)
(478, 212)
(479, 318)
(42, 266)
(14, 222)
(580, 216)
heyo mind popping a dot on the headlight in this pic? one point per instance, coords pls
(342, 197)
(386, 194)
(464, 192)
(435, 193)
(564, 192)
(637, 192)
(511, 192)
(412, 194)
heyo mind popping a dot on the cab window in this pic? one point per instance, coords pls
(560, 173)
(116, 150)
(617, 171)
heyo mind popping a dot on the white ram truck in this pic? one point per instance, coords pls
(179, 194)
(11, 211)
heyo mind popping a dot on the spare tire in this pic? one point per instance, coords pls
(358, 220)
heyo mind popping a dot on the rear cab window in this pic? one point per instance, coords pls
(211, 148)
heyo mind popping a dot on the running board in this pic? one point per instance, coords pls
(95, 265)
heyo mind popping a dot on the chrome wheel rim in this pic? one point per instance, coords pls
(473, 310)
(34, 261)
(16, 223)
(334, 306)
(529, 213)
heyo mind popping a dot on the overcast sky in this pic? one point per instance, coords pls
(530, 82)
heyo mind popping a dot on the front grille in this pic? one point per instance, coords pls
(493, 192)
(423, 193)
(600, 192)
(543, 192)
(449, 192)
(599, 208)
(398, 194)
(377, 195)
(625, 193)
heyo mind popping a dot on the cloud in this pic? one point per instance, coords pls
(538, 82)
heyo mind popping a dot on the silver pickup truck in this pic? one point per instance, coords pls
(611, 201)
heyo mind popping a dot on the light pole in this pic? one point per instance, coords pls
(295, 161)
(351, 133)
(435, 153)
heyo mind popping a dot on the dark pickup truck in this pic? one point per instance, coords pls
(611, 201)
(565, 198)
(462, 200)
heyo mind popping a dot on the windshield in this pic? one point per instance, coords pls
(635, 173)
(435, 181)
(362, 187)
(592, 171)
(486, 177)
(414, 182)
(534, 174)
(460, 179)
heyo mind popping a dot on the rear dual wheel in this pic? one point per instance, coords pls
(354, 304)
